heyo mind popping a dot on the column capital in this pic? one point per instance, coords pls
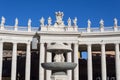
(14, 42)
(102, 43)
(69, 44)
(89, 44)
(75, 43)
(116, 43)
(1, 40)
(28, 42)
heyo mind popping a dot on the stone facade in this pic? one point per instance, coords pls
(15, 39)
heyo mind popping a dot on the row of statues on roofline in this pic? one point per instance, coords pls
(16, 21)
(102, 22)
(42, 20)
(59, 23)
(59, 16)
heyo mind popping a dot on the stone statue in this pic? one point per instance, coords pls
(89, 23)
(49, 21)
(101, 23)
(59, 17)
(2, 21)
(42, 20)
(29, 22)
(115, 21)
(16, 22)
(75, 21)
(59, 58)
(62, 58)
(69, 22)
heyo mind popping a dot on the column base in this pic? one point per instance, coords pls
(59, 77)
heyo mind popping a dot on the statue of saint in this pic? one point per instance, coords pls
(29, 22)
(16, 22)
(62, 58)
(75, 21)
(89, 23)
(115, 22)
(42, 20)
(69, 22)
(59, 58)
(59, 17)
(101, 23)
(49, 21)
(2, 21)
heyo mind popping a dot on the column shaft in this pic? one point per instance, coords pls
(14, 62)
(117, 61)
(103, 62)
(76, 70)
(41, 60)
(89, 63)
(48, 72)
(1, 59)
(69, 59)
(28, 61)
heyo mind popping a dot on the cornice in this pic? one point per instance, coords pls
(17, 33)
(58, 33)
(97, 34)
(69, 33)
(99, 42)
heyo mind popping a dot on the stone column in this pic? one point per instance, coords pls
(14, 62)
(1, 59)
(89, 63)
(48, 72)
(76, 70)
(28, 61)
(69, 59)
(117, 61)
(103, 62)
(41, 60)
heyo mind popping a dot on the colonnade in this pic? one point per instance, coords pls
(69, 59)
(103, 62)
(41, 60)
(14, 61)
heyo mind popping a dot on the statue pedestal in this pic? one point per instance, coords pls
(59, 77)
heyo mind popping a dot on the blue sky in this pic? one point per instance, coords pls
(82, 9)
